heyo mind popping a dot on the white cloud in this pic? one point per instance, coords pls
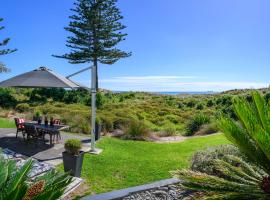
(173, 83)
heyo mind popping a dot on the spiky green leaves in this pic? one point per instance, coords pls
(234, 177)
(252, 133)
(15, 183)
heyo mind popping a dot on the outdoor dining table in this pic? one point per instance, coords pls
(48, 129)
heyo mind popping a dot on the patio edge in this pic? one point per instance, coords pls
(119, 194)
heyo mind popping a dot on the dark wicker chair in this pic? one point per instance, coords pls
(20, 126)
(57, 133)
(33, 133)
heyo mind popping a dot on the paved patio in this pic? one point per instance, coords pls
(40, 151)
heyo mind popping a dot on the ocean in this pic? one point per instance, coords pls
(175, 93)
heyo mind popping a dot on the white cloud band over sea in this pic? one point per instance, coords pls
(174, 83)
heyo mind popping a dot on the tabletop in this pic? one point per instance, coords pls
(48, 127)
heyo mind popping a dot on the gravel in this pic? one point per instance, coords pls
(170, 192)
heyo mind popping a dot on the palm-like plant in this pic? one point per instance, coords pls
(238, 178)
(15, 183)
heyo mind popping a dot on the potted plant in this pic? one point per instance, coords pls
(36, 117)
(73, 157)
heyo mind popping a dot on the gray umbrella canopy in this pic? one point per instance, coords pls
(39, 78)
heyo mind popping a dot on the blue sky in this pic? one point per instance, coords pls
(177, 45)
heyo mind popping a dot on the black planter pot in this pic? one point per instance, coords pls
(73, 164)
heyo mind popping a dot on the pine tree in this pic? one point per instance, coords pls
(3, 43)
(96, 30)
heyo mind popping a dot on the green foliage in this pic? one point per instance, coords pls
(22, 107)
(202, 160)
(195, 124)
(267, 96)
(15, 183)
(3, 43)
(200, 106)
(169, 130)
(232, 176)
(88, 42)
(251, 133)
(191, 104)
(7, 100)
(207, 129)
(73, 146)
(210, 103)
(136, 130)
(71, 97)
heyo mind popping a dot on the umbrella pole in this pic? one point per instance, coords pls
(93, 108)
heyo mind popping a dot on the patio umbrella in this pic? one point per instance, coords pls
(46, 78)
(40, 78)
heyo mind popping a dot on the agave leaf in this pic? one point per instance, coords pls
(205, 182)
(18, 180)
(263, 110)
(3, 173)
(233, 173)
(251, 120)
(248, 168)
(56, 184)
(238, 136)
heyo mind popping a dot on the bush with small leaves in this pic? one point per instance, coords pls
(136, 130)
(210, 103)
(191, 104)
(7, 100)
(195, 124)
(199, 106)
(73, 146)
(202, 160)
(22, 107)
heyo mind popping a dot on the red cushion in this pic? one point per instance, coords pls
(21, 126)
(57, 121)
(21, 120)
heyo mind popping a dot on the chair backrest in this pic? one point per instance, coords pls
(57, 121)
(31, 130)
(16, 121)
(19, 122)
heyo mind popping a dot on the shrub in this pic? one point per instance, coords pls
(199, 106)
(136, 130)
(168, 130)
(207, 129)
(22, 107)
(202, 160)
(210, 103)
(191, 104)
(6, 99)
(195, 124)
(180, 105)
(267, 96)
(73, 146)
(71, 97)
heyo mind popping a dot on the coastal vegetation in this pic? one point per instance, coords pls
(163, 115)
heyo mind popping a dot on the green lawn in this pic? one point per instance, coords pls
(5, 123)
(129, 163)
